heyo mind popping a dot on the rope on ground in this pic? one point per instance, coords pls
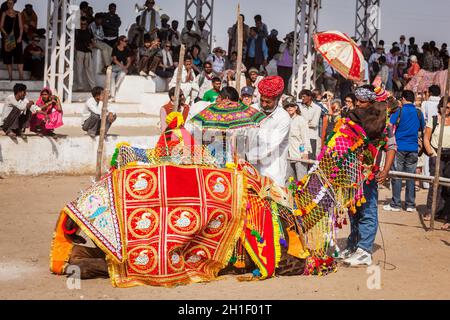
(385, 256)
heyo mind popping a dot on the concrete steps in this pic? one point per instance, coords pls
(123, 120)
(5, 76)
(34, 95)
(32, 85)
(76, 155)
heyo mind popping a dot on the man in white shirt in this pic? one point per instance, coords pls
(17, 112)
(268, 144)
(429, 110)
(204, 78)
(93, 112)
(188, 84)
(96, 28)
(430, 107)
(311, 112)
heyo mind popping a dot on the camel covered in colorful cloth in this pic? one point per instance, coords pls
(169, 216)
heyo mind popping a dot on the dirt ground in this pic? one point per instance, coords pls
(418, 262)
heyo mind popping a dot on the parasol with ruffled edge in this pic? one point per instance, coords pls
(226, 116)
(342, 53)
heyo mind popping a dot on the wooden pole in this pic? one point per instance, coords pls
(240, 36)
(176, 105)
(98, 171)
(439, 151)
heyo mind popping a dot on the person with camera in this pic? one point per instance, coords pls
(285, 60)
(431, 142)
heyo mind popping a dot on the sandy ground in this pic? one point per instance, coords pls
(418, 261)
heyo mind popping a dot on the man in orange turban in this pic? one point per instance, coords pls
(268, 144)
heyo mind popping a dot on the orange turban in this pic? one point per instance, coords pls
(271, 87)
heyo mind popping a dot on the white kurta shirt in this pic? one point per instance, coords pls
(11, 102)
(92, 106)
(268, 145)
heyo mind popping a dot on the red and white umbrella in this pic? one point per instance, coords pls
(342, 53)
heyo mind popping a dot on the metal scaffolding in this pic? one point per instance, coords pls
(60, 46)
(367, 21)
(196, 9)
(306, 24)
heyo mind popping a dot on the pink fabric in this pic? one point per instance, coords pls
(424, 79)
(38, 122)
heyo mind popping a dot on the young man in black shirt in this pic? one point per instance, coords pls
(83, 54)
(121, 62)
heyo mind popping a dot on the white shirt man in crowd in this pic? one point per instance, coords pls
(268, 144)
(17, 111)
(188, 84)
(93, 111)
(430, 107)
(429, 110)
(204, 78)
(311, 112)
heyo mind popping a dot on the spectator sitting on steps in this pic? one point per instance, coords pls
(96, 28)
(17, 112)
(150, 57)
(93, 111)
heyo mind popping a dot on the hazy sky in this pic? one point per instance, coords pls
(426, 20)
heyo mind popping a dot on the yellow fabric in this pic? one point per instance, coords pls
(296, 247)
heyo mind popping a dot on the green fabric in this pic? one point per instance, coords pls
(210, 96)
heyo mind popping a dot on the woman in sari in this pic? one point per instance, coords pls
(44, 124)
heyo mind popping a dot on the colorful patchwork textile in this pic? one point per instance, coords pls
(181, 223)
(95, 212)
(260, 238)
(228, 116)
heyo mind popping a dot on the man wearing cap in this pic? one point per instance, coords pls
(364, 223)
(312, 113)
(299, 143)
(150, 19)
(268, 144)
(217, 60)
(163, 32)
(247, 95)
